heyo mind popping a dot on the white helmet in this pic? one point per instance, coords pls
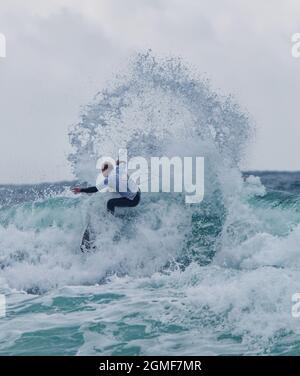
(104, 164)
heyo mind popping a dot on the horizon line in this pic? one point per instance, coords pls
(77, 180)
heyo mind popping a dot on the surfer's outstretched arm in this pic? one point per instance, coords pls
(77, 190)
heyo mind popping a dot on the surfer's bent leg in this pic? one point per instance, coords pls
(122, 202)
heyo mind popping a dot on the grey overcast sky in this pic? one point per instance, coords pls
(60, 53)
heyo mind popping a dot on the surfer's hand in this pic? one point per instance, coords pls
(76, 190)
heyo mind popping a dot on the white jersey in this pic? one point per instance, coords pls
(118, 181)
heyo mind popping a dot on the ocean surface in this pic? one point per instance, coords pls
(166, 278)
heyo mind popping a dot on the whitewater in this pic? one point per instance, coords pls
(167, 278)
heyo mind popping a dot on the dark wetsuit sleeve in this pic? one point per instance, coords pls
(89, 190)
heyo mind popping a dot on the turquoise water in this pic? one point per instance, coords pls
(114, 302)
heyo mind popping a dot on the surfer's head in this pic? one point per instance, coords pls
(106, 168)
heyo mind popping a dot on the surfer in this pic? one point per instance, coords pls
(112, 179)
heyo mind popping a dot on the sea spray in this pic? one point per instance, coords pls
(157, 107)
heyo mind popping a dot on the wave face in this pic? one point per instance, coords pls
(166, 278)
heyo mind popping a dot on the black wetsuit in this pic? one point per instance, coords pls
(121, 202)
